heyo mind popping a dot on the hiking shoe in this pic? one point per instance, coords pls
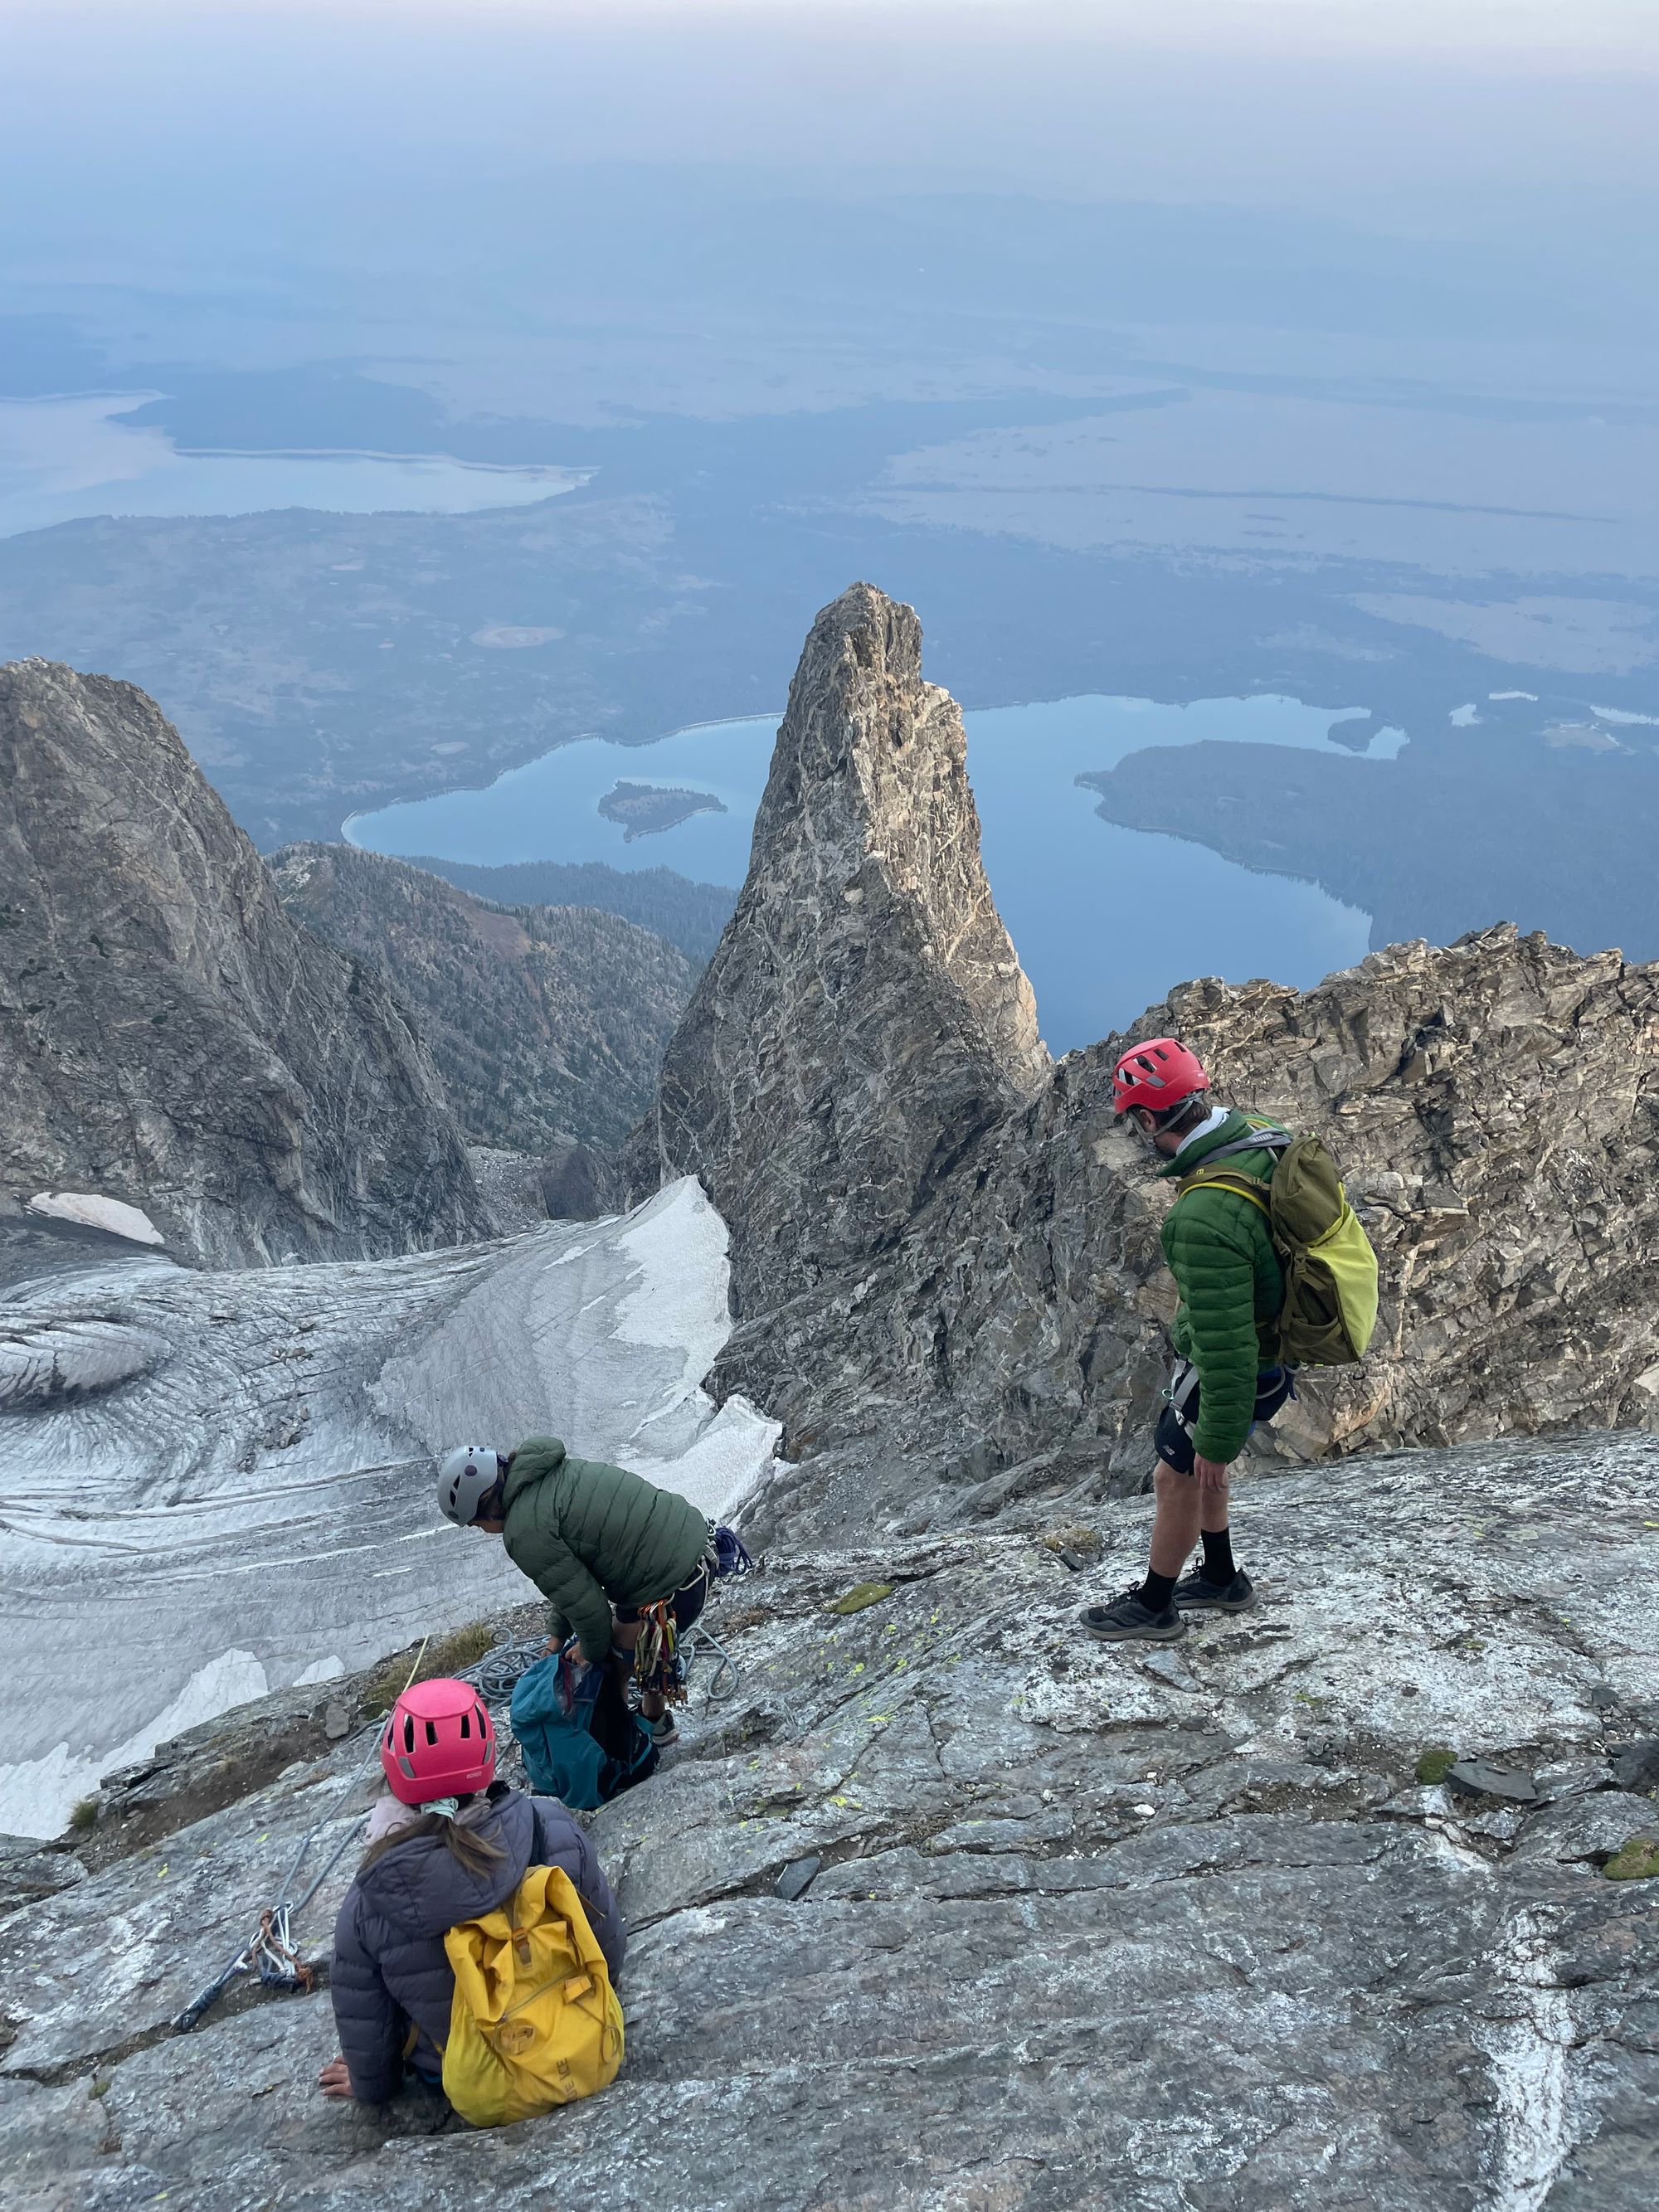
(1127, 1620)
(1194, 1592)
(662, 1730)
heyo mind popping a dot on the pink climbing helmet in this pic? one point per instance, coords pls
(1157, 1075)
(439, 1743)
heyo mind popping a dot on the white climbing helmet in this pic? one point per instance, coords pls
(466, 1478)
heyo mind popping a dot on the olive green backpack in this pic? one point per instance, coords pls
(1330, 1269)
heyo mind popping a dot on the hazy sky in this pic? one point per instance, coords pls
(1468, 118)
(1589, 28)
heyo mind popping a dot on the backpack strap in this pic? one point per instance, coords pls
(1270, 1139)
(1242, 1186)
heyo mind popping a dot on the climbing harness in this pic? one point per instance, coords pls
(271, 1948)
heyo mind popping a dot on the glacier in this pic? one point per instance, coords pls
(217, 1484)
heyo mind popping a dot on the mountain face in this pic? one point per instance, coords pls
(947, 1253)
(169, 1037)
(1347, 1902)
(688, 914)
(545, 1022)
(863, 1019)
(944, 1908)
(1494, 1106)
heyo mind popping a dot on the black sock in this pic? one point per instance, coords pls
(1155, 1592)
(1218, 1555)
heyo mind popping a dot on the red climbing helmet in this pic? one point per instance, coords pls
(1157, 1074)
(439, 1743)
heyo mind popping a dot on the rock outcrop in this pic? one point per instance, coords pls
(946, 1908)
(947, 1256)
(169, 1037)
(863, 1019)
(545, 1023)
(1495, 1108)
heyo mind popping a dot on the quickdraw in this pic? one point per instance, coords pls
(280, 1964)
(656, 1665)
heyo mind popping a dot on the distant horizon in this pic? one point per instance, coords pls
(1470, 117)
(1488, 29)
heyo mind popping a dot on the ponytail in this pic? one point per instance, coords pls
(474, 1854)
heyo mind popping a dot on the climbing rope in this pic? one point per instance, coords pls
(723, 1682)
(497, 1675)
(271, 1948)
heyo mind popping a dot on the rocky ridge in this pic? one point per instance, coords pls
(545, 1023)
(994, 1323)
(169, 1037)
(1495, 1108)
(947, 1907)
(863, 1017)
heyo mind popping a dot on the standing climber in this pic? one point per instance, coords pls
(614, 1556)
(1220, 1250)
(448, 1845)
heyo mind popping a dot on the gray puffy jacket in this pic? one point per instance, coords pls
(390, 1967)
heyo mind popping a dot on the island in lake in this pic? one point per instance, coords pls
(642, 808)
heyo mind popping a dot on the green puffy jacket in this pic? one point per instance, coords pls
(1231, 1286)
(590, 1536)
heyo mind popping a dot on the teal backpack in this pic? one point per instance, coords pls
(580, 1743)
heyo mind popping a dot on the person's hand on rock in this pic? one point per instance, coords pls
(335, 2080)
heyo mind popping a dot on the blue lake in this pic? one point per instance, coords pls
(61, 459)
(1105, 919)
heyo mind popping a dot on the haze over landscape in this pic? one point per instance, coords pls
(397, 392)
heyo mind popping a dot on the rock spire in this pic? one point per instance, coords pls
(864, 1015)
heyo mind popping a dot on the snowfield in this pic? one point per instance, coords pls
(94, 1212)
(215, 1485)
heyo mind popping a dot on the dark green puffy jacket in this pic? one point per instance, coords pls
(1232, 1289)
(590, 1536)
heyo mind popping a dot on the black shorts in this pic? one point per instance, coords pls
(687, 1601)
(1174, 1438)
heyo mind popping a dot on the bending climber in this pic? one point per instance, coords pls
(448, 1842)
(1228, 1376)
(604, 1547)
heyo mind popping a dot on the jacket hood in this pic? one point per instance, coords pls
(535, 1457)
(421, 1887)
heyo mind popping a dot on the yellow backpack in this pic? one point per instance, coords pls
(535, 2022)
(1329, 1313)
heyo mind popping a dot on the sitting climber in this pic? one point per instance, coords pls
(1228, 1378)
(624, 1565)
(448, 1843)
